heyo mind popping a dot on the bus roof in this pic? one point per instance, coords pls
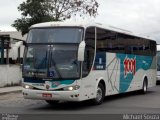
(85, 25)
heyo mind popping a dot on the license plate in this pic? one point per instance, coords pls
(47, 95)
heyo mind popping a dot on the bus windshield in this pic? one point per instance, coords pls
(55, 35)
(52, 53)
(52, 61)
(158, 60)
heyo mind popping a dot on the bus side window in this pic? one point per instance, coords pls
(106, 41)
(89, 50)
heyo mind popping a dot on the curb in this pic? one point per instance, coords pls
(8, 92)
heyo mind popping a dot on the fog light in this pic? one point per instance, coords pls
(25, 94)
(77, 95)
(72, 96)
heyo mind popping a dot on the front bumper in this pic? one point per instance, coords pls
(55, 95)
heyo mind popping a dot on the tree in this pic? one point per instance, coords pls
(36, 11)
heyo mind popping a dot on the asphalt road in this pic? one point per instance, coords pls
(130, 103)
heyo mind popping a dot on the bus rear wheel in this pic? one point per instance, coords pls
(52, 102)
(100, 94)
(145, 86)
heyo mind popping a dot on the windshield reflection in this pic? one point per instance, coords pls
(55, 35)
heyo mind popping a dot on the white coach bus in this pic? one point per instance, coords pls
(77, 62)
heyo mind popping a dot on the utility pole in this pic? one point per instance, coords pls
(4, 44)
(2, 49)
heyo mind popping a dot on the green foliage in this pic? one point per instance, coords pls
(36, 11)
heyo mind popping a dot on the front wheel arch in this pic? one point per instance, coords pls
(100, 93)
(101, 80)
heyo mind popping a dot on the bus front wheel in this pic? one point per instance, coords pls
(100, 94)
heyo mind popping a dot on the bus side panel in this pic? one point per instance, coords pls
(133, 70)
(153, 73)
(126, 72)
(123, 73)
(88, 85)
(109, 73)
(112, 74)
(142, 72)
(107, 68)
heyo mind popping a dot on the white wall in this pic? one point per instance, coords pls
(10, 75)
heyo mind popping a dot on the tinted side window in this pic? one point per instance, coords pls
(136, 45)
(110, 41)
(131, 44)
(153, 47)
(107, 41)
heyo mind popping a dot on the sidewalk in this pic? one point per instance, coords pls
(7, 90)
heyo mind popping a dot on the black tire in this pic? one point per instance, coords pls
(100, 95)
(52, 102)
(144, 87)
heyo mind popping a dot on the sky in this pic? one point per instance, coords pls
(142, 17)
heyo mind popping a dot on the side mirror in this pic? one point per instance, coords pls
(81, 50)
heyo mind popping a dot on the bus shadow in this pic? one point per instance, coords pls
(125, 95)
(73, 106)
(69, 106)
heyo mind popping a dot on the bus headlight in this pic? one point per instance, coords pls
(70, 88)
(27, 86)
